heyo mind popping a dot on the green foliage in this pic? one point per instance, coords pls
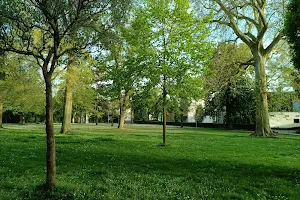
(22, 88)
(229, 83)
(200, 113)
(281, 101)
(102, 162)
(147, 102)
(81, 78)
(122, 66)
(292, 29)
(178, 51)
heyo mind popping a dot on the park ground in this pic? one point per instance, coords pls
(102, 162)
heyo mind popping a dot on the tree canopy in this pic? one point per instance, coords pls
(292, 30)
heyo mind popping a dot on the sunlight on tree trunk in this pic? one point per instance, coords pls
(66, 123)
(262, 114)
(22, 118)
(259, 17)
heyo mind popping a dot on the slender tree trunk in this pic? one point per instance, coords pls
(262, 114)
(112, 119)
(96, 120)
(81, 117)
(122, 111)
(73, 117)
(164, 113)
(229, 117)
(50, 156)
(66, 123)
(181, 120)
(1, 110)
(22, 118)
(35, 119)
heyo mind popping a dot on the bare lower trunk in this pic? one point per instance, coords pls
(262, 114)
(73, 117)
(1, 111)
(86, 118)
(164, 115)
(66, 123)
(22, 118)
(81, 117)
(122, 114)
(50, 156)
(181, 120)
(122, 118)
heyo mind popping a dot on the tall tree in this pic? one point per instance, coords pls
(46, 30)
(227, 69)
(78, 79)
(259, 24)
(125, 62)
(292, 29)
(69, 84)
(2, 85)
(181, 50)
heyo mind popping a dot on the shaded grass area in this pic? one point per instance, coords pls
(102, 162)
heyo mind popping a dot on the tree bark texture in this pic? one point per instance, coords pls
(122, 117)
(66, 123)
(262, 114)
(50, 140)
(1, 110)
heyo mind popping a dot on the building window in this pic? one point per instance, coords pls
(296, 121)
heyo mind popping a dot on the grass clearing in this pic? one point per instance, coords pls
(102, 162)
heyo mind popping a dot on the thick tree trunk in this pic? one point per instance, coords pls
(86, 118)
(66, 123)
(262, 114)
(122, 116)
(229, 117)
(50, 156)
(1, 110)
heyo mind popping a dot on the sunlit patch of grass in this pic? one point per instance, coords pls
(102, 162)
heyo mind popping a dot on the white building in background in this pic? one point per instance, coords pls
(192, 113)
(284, 119)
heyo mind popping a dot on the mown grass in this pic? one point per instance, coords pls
(102, 162)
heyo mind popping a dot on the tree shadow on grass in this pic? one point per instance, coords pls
(41, 192)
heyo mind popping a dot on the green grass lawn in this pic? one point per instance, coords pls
(102, 162)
